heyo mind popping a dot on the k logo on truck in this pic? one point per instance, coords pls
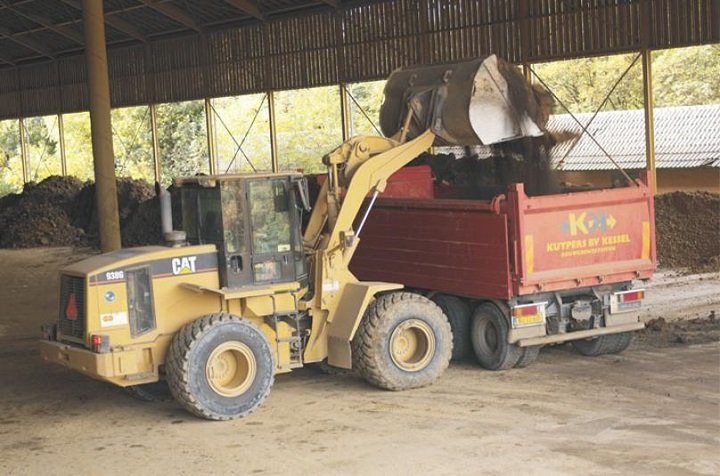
(588, 223)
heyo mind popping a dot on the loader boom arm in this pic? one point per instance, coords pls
(359, 167)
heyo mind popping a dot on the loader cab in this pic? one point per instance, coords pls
(254, 220)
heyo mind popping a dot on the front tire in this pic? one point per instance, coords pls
(220, 367)
(489, 334)
(404, 341)
(605, 344)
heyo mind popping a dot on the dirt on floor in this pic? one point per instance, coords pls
(655, 409)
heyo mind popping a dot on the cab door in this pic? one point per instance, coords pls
(274, 236)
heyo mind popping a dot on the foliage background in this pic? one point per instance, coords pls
(308, 120)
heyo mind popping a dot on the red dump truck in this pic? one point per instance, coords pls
(515, 273)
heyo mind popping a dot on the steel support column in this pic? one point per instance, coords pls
(344, 113)
(23, 150)
(100, 125)
(61, 140)
(155, 142)
(649, 104)
(273, 132)
(210, 129)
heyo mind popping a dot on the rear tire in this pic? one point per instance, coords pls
(404, 341)
(605, 344)
(490, 339)
(220, 367)
(459, 315)
(529, 355)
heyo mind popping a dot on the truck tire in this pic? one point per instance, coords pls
(489, 333)
(404, 341)
(458, 314)
(220, 367)
(529, 355)
(605, 344)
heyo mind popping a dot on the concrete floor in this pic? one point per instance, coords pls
(652, 410)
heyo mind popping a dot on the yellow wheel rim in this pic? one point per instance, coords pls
(412, 345)
(231, 369)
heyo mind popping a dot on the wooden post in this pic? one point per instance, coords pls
(345, 113)
(155, 142)
(61, 137)
(210, 129)
(23, 150)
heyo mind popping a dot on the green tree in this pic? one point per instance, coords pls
(681, 77)
(182, 138)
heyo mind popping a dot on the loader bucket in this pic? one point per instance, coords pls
(479, 102)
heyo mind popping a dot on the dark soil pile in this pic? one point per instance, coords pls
(688, 231)
(660, 333)
(60, 211)
(40, 215)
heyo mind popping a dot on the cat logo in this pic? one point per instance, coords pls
(184, 265)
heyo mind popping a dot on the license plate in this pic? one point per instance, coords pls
(531, 320)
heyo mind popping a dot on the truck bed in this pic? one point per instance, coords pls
(510, 246)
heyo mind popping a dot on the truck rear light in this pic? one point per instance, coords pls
(528, 315)
(625, 301)
(630, 296)
(100, 343)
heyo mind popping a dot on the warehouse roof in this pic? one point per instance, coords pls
(685, 137)
(37, 29)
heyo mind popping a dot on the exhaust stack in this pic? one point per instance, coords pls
(172, 237)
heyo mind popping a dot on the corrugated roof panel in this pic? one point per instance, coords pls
(685, 136)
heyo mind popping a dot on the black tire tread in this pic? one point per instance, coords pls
(514, 353)
(605, 344)
(368, 341)
(529, 355)
(459, 316)
(177, 364)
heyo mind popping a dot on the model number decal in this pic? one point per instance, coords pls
(114, 275)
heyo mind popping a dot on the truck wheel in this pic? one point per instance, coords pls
(458, 313)
(404, 341)
(605, 344)
(529, 355)
(220, 367)
(489, 333)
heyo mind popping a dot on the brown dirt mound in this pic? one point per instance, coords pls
(39, 216)
(660, 333)
(688, 231)
(60, 211)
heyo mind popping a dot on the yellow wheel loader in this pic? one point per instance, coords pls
(240, 294)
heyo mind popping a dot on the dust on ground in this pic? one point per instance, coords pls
(651, 410)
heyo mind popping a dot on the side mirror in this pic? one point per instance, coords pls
(301, 185)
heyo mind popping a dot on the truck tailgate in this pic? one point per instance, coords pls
(581, 239)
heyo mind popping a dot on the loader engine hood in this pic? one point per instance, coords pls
(480, 102)
(163, 261)
(119, 295)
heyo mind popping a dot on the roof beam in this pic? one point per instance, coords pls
(72, 35)
(247, 6)
(332, 3)
(175, 13)
(117, 23)
(26, 42)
